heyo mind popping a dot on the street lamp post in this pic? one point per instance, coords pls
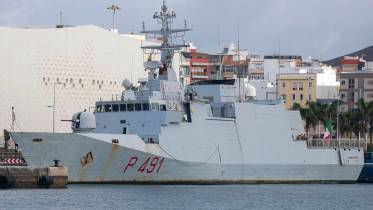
(54, 103)
(114, 8)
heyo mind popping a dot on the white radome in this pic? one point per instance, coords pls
(250, 90)
(126, 84)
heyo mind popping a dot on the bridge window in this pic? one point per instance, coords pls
(145, 107)
(130, 107)
(137, 107)
(155, 106)
(115, 107)
(108, 108)
(99, 108)
(123, 107)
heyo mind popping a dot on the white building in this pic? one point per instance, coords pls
(279, 64)
(89, 61)
(326, 79)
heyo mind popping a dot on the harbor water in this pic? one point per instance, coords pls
(351, 196)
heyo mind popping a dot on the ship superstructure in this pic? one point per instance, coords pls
(208, 132)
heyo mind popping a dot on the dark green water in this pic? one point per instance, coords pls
(357, 196)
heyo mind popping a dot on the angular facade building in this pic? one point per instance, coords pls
(69, 68)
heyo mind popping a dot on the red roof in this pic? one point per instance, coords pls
(350, 61)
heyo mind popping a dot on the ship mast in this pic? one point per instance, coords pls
(167, 36)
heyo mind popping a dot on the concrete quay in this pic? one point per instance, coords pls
(31, 177)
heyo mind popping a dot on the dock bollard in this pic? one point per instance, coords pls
(56, 163)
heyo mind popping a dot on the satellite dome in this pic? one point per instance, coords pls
(250, 90)
(126, 84)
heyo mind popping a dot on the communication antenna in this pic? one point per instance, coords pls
(238, 59)
(279, 56)
(114, 8)
(61, 22)
(238, 38)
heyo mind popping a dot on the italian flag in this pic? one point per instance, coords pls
(328, 131)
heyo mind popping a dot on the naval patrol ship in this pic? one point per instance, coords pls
(207, 132)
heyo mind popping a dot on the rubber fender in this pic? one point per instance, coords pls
(45, 181)
(7, 181)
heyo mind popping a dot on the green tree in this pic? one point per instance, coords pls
(308, 115)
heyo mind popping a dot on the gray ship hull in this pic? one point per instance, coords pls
(93, 161)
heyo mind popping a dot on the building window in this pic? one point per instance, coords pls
(351, 83)
(360, 83)
(343, 82)
(370, 82)
(301, 86)
(309, 97)
(283, 97)
(370, 95)
(352, 96)
(283, 84)
(309, 84)
(294, 84)
(343, 96)
(293, 97)
(301, 97)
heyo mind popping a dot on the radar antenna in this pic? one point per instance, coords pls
(168, 45)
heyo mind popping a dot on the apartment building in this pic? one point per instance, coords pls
(296, 88)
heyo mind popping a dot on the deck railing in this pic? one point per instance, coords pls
(336, 143)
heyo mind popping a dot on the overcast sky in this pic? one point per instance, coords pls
(319, 28)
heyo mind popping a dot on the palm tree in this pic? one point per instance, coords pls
(369, 113)
(350, 123)
(308, 115)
